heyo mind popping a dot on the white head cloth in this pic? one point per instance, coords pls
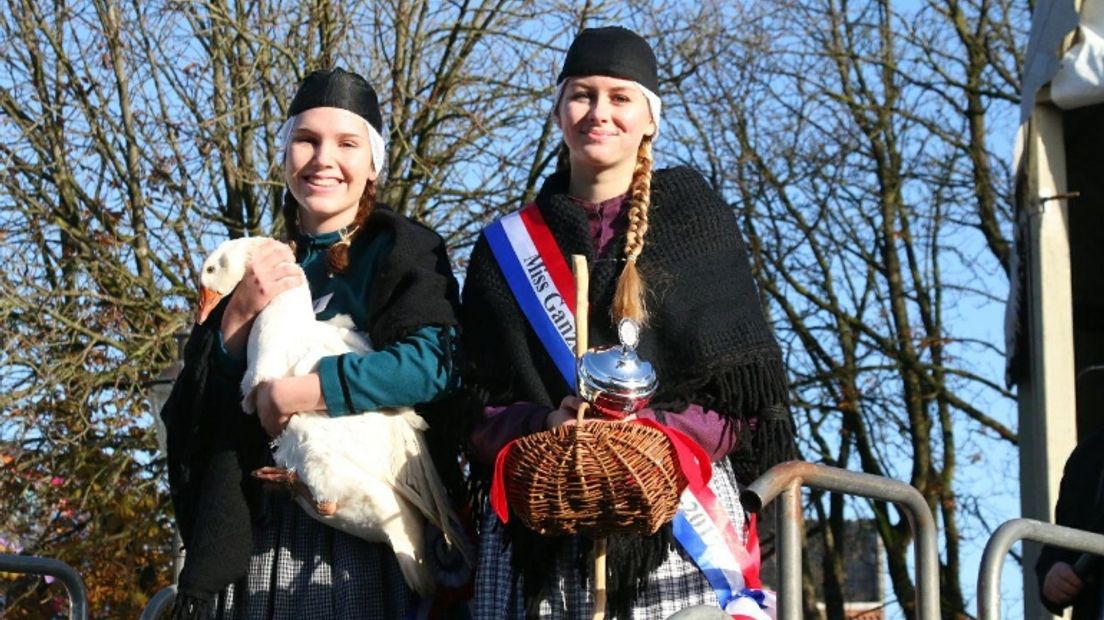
(375, 142)
(654, 104)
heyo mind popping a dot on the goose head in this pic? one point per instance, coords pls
(222, 271)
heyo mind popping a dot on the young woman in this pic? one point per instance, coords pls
(254, 555)
(664, 249)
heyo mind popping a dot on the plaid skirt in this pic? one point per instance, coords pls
(675, 585)
(302, 569)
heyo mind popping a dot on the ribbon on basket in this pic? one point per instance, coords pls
(692, 460)
(708, 536)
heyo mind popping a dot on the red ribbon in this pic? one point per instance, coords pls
(692, 461)
(499, 503)
(751, 569)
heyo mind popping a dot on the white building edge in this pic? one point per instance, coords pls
(1054, 342)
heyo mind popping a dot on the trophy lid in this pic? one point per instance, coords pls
(614, 378)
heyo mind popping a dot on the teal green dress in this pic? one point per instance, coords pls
(301, 568)
(411, 370)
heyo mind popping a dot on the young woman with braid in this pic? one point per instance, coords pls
(258, 555)
(664, 249)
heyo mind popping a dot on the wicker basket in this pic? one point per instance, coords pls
(596, 479)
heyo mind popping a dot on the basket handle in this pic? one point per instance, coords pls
(582, 303)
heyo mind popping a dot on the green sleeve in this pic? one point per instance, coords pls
(415, 369)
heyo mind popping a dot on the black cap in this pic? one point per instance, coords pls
(612, 51)
(337, 88)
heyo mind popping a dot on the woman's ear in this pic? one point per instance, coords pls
(373, 167)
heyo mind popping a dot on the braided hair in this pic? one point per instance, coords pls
(629, 299)
(337, 257)
(620, 53)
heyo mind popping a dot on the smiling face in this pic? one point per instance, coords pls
(603, 120)
(327, 166)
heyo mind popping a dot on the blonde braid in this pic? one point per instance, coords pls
(629, 299)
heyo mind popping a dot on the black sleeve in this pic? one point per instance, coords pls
(414, 286)
(188, 431)
(1078, 496)
(212, 447)
(486, 326)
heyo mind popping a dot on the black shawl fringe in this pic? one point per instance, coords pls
(630, 560)
(188, 607)
(772, 443)
(737, 390)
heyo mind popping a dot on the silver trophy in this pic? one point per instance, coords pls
(613, 379)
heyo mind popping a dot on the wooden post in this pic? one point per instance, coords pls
(582, 303)
(582, 296)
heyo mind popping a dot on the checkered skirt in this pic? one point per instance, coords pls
(675, 585)
(302, 569)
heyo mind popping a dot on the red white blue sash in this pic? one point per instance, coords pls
(702, 527)
(540, 280)
(542, 284)
(704, 530)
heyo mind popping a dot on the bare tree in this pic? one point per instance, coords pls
(855, 145)
(137, 135)
(131, 133)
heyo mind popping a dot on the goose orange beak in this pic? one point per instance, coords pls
(208, 299)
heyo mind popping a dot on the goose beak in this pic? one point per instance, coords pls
(208, 299)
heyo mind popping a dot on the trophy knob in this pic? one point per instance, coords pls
(613, 379)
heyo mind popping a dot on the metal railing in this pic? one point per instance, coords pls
(74, 586)
(1008, 534)
(159, 604)
(785, 481)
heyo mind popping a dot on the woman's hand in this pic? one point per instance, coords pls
(268, 410)
(568, 414)
(278, 400)
(271, 271)
(1061, 584)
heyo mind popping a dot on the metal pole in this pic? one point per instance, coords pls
(1024, 529)
(159, 604)
(78, 595)
(159, 391)
(789, 553)
(907, 499)
(1047, 394)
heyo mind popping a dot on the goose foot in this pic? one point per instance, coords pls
(277, 475)
(289, 479)
(325, 509)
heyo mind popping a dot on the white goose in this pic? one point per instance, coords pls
(368, 474)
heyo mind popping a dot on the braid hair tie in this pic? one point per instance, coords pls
(347, 235)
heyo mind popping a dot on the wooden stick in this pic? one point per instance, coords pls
(599, 578)
(582, 301)
(582, 298)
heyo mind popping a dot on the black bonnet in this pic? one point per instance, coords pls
(612, 51)
(337, 88)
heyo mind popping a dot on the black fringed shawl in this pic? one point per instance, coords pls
(707, 338)
(213, 446)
